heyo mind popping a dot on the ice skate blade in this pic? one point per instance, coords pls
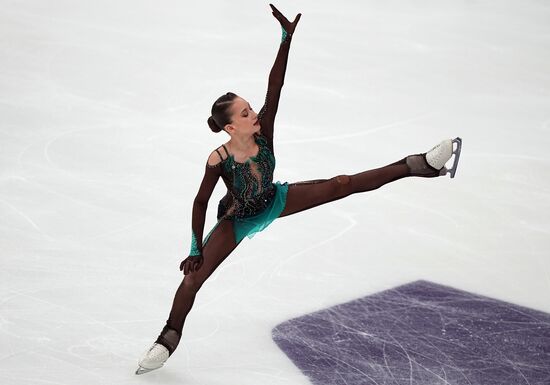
(458, 142)
(142, 370)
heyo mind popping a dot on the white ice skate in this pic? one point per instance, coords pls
(432, 163)
(440, 154)
(163, 347)
(153, 359)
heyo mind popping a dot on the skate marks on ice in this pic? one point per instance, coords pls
(420, 333)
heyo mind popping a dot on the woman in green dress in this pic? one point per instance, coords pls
(246, 163)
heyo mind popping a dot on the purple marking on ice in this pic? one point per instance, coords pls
(420, 333)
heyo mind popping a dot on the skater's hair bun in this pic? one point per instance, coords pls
(212, 124)
(221, 113)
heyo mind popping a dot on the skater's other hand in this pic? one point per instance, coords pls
(287, 25)
(191, 264)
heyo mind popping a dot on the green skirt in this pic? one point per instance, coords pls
(249, 226)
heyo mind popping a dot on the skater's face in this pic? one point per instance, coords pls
(244, 119)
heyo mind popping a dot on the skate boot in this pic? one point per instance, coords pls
(432, 163)
(158, 353)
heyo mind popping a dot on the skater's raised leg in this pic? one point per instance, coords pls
(217, 248)
(307, 194)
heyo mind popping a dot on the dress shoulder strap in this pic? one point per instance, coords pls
(220, 155)
(223, 145)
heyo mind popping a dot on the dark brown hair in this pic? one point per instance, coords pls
(221, 114)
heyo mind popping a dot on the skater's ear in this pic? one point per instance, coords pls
(230, 129)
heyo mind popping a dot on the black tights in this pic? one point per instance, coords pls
(301, 196)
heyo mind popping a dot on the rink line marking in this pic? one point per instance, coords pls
(20, 156)
(19, 380)
(405, 202)
(64, 133)
(19, 161)
(506, 155)
(120, 229)
(312, 88)
(101, 27)
(520, 157)
(95, 373)
(437, 213)
(117, 230)
(46, 155)
(215, 276)
(28, 219)
(359, 133)
(70, 310)
(286, 259)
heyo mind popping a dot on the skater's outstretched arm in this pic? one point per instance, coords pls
(276, 76)
(212, 173)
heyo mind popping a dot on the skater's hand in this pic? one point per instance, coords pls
(287, 25)
(191, 264)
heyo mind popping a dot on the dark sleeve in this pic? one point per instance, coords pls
(200, 204)
(275, 83)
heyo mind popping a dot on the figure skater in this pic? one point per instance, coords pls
(246, 164)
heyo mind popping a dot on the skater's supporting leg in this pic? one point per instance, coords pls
(219, 245)
(308, 194)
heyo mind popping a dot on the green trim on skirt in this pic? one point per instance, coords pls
(249, 226)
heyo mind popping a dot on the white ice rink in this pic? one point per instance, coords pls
(103, 142)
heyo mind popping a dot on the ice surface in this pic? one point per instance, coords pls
(103, 142)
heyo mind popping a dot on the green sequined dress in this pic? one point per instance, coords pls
(253, 200)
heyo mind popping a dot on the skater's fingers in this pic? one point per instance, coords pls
(278, 15)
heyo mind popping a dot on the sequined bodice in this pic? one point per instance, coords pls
(250, 183)
(250, 187)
